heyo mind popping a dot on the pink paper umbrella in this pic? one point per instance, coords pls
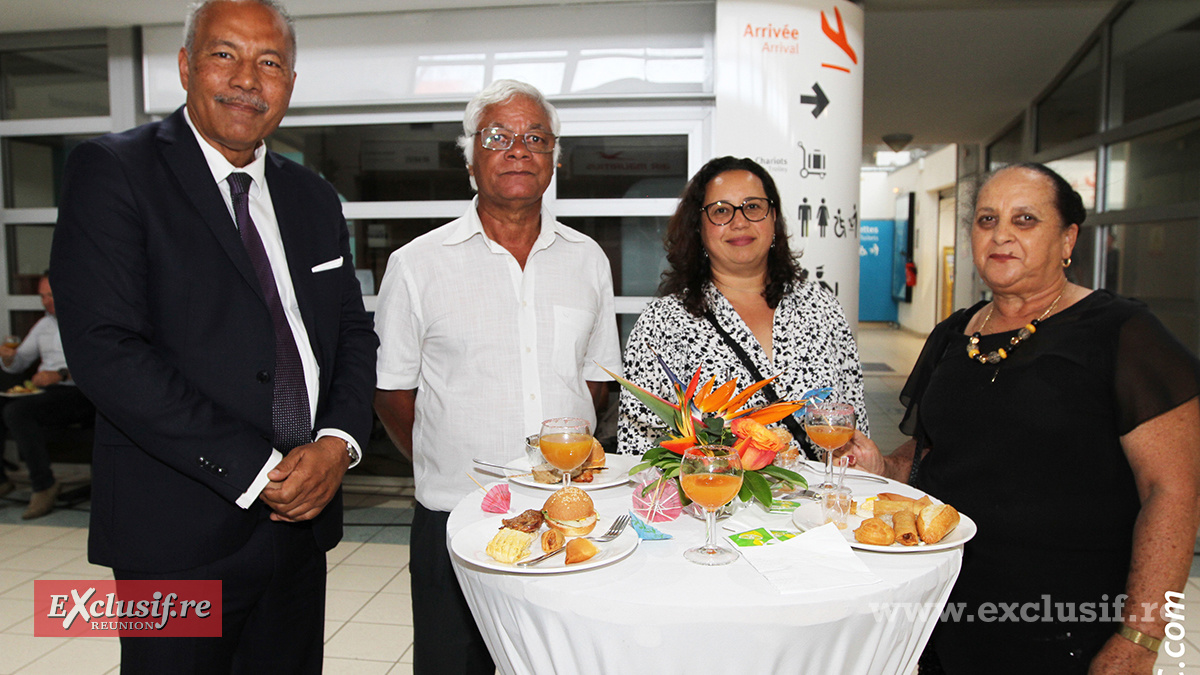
(497, 499)
(660, 503)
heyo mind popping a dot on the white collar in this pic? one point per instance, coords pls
(470, 225)
(221, 167)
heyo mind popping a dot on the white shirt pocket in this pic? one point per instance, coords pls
(572, 330)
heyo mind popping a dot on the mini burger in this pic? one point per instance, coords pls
(596, 459)
(570, 511)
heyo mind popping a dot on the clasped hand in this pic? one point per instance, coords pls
(307, 478)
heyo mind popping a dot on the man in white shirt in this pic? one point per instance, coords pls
(488, 325)
(58, 404)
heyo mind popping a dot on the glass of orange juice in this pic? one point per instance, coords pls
(565, 442)
(711, 476)
(831, 426)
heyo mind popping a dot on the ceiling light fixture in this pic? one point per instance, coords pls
(897, 142)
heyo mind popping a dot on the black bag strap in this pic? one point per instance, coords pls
(789, 421)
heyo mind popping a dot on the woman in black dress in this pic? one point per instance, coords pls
(1065, 422)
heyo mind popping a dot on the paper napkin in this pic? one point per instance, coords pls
(816, 560)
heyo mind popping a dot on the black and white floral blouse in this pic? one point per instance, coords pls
(813, 347)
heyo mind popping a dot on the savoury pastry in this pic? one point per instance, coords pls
(876, 532)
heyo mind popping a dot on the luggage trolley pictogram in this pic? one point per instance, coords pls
(811, 162)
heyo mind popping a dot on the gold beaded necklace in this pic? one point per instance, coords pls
(1022, 335)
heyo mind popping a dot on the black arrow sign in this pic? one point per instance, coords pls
(818, 102)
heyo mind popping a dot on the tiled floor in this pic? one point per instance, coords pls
(368, 628)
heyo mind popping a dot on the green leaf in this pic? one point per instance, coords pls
(758, 487)
(784, 474)
(744, 493)
(662, 408)
(638, 468)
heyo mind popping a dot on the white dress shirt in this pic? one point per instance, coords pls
(43, 342)
(492, 349)
(262, 212)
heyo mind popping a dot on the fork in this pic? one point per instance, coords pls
(615, 531)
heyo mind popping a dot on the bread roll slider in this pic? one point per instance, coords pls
(936, 521)
(596, 459)
(570, 511)
(876, 532)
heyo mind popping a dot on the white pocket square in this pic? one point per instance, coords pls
(326, 266)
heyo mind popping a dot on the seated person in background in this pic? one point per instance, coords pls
(26, 418)
(732, 268)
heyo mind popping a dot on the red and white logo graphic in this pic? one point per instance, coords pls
(167, 608)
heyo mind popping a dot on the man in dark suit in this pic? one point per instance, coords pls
(209, 308)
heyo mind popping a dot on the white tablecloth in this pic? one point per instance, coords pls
(633, 616)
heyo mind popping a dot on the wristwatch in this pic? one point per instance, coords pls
(355, 455)
(1139, 638)
(64, 374)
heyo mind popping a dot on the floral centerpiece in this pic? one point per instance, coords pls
(716, 415)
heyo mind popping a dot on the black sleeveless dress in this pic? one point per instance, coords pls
(1030, 449)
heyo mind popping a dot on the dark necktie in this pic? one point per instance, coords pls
(290, 414)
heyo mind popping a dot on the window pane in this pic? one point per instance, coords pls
(1006, 149)
(40, 83)
(1080, 171)
(382, 162)
(1071, 111)
(28, 249)
(1082, 271)
(1156, 58)
(599, 167)
(1157, 264)
(33, 169)
(1155, 169)
(372, 241)
(634, 248)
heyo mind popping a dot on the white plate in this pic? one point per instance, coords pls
(615, 473)
(471, 541)
(809, 515)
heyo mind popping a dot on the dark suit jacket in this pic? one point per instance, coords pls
(166, 329)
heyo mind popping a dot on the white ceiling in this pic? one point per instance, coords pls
(945, 71)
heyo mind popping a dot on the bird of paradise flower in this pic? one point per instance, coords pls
(720, 415)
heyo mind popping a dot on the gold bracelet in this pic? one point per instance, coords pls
(1139, 638)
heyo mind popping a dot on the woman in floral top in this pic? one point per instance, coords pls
(728, 249)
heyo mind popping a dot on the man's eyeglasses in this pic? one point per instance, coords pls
(499, 138)
(753, 209)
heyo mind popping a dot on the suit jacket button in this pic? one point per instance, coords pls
(263, 376)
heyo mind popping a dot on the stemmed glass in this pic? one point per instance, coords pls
(565, 442)
(831, 426)
(711, 475)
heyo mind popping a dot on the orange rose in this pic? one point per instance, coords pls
(756, 444)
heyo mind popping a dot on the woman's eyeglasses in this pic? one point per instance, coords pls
(753, 209)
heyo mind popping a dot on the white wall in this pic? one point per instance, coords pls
(875, 195)
(925, 177)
